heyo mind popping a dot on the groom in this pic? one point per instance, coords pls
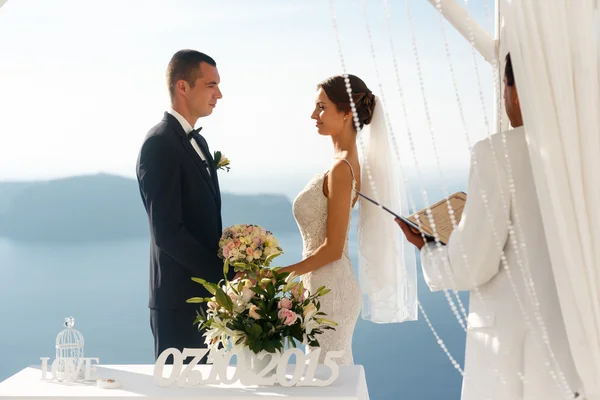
(180, 190)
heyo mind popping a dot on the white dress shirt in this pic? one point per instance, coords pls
(188, 128)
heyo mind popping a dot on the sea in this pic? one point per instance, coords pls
(104, 286)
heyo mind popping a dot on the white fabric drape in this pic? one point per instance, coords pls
(2, 2)
(554, 50)
(386, 261)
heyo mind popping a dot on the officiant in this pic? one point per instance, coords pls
(499, 241)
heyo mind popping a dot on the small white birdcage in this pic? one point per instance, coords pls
(69, 346)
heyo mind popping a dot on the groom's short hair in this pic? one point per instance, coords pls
(185, 64)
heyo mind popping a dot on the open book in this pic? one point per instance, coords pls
(439, 213)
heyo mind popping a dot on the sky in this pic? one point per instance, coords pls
(82, 82)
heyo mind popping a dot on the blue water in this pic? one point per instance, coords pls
(105, 287)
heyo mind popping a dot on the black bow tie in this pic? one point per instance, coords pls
(193, 133)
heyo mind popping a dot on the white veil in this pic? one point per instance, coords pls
(387, 265)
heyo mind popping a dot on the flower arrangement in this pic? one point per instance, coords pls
(263, 308)
(221, 162)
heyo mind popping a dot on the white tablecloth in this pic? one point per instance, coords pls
(138, 381)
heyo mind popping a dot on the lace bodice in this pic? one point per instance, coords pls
(310, 211)
(342, 304)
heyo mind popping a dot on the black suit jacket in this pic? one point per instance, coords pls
(183, 204)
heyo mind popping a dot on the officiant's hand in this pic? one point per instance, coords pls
(414, 238)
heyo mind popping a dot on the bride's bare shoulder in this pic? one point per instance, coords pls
(339, 177)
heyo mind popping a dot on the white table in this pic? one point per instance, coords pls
(138, 381)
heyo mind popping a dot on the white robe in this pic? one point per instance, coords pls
(499, 342)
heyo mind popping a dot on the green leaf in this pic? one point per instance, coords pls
(195, 300)
(240, 264)
(239, 341)
(255, 330)
(270, 257)
(226, 268)
(270, 347)
(223, 300)
(217, 157)
(258, 290)
(211, 287)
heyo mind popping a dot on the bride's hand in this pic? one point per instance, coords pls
(238, 275)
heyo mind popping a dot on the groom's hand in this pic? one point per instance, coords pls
(414, 238)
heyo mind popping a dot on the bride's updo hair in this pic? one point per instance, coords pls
(364, 99)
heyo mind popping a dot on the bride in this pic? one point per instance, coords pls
(323, 212)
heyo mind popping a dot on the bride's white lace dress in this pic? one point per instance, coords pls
(343, 303)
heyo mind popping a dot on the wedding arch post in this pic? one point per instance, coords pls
(460, 19)
(490, 48)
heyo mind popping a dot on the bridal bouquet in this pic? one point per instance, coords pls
(264, 308)
(248, 247)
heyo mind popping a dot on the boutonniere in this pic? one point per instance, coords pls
(221, 162)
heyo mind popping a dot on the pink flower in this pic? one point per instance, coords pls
(287, 316)
(247, 294)
(249, 251)
(226, 252)
(298, 296)
(284, 303)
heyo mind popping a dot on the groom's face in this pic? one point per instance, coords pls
(202, 98)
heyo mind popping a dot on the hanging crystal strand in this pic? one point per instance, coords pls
(440, 342)
(528, 280)
(409, 195)
(431, 132)
(390, 129)
(461, 112)
(348, 86)
(478, 293)
(488, 15)
(468, 141)
(349, 91)
(561, 380)
(523, 264)
(495, 234)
